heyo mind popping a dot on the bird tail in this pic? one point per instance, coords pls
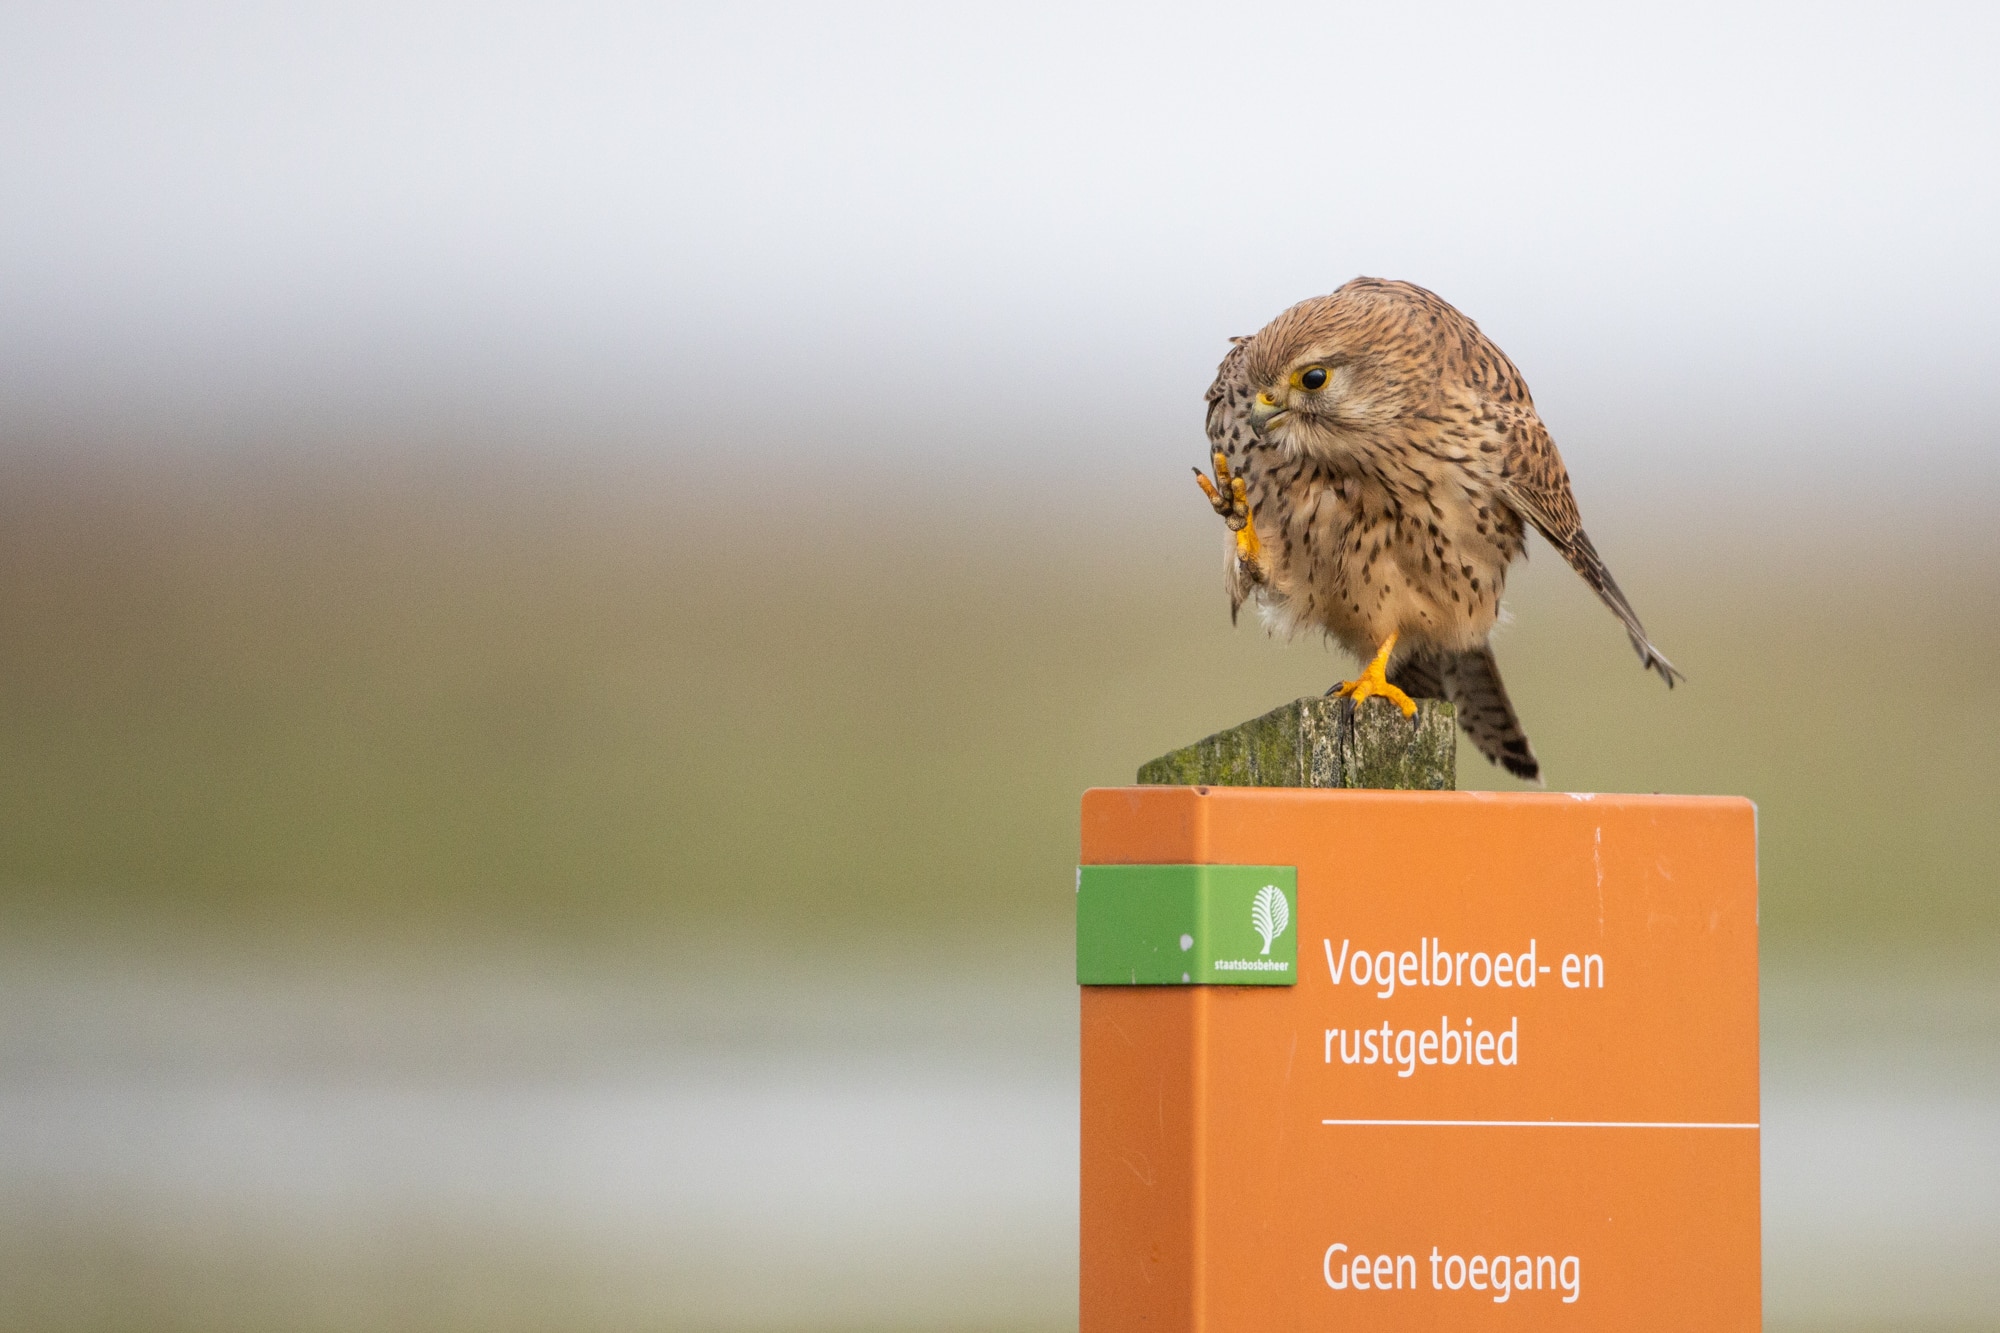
(1471, 680)
(1583, 558)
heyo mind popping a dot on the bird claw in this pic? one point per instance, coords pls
(1367, 687)
(1231, 499)
(1373, 683)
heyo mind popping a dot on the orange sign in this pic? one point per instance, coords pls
(1515, 1084)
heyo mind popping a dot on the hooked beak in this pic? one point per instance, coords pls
(1263, 412)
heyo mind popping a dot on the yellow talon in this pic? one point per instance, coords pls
(1373, 682)
(1247, 545)
(1231, 499)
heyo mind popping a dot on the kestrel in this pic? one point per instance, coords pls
(1379, 460)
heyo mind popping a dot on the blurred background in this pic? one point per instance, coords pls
(562, 570)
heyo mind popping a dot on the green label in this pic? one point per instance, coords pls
(1187, 925)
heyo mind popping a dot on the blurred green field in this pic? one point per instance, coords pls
(478, 697)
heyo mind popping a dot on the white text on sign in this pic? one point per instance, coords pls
(1443, 1045)
(1501, 1276)
(1431, 964)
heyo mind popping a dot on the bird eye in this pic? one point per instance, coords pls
(1314, 378)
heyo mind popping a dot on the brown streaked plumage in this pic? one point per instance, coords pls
(1390, 462)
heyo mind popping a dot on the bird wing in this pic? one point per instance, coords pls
(1231, 434)
(1229, 399)
(1536, 484)
(1471, 680)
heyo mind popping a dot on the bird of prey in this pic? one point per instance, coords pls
(1378, 461)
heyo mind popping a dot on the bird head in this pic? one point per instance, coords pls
(1330, 368)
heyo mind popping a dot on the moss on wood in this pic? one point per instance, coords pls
(1319, 742)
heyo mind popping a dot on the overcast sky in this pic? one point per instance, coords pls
(1750, 234)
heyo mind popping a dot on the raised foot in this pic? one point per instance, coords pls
(1373, 683)
(1232, 500)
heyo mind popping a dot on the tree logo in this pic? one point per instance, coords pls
(1270, 914)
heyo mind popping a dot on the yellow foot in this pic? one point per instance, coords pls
(1231, 500)
(1374, 683)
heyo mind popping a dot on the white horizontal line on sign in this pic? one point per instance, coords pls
(1559, 1124)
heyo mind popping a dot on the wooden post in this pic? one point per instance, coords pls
(1321, 742)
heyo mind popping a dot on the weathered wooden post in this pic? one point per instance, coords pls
(1412, 1058)
(1321, 742)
